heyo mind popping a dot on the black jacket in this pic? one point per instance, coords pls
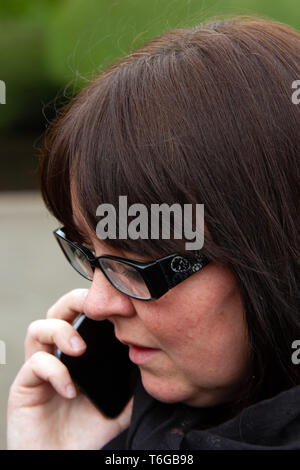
(269, 424)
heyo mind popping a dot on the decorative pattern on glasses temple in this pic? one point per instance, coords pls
(180, 267)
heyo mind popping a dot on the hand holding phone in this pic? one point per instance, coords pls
(43, 412)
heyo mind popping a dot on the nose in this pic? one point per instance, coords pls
(104, 301)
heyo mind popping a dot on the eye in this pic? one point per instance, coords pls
(132, 274)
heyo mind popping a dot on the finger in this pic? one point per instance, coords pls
(41, 368)
(69, 306)
(45, 335)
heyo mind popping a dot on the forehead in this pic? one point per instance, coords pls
(90, 235)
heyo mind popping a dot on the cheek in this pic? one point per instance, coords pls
(174, 322)
(204, 316)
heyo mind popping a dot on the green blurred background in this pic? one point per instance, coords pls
(50, 48)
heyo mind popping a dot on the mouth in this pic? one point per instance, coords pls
(139, 354)
(136, 345)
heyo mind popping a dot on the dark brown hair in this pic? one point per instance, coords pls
(201, 115)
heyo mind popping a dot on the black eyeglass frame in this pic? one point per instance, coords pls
(159, 275)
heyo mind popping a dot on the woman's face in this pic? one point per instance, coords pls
(197, 331)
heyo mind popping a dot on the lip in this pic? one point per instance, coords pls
(140, 354)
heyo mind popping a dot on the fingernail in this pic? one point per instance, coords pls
(77, 343)
(71, 391)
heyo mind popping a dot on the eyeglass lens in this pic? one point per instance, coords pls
(124, 277)
(77, 259)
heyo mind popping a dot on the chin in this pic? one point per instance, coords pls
(165, 389)
(173, 390)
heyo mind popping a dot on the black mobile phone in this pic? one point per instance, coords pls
(104, 373)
